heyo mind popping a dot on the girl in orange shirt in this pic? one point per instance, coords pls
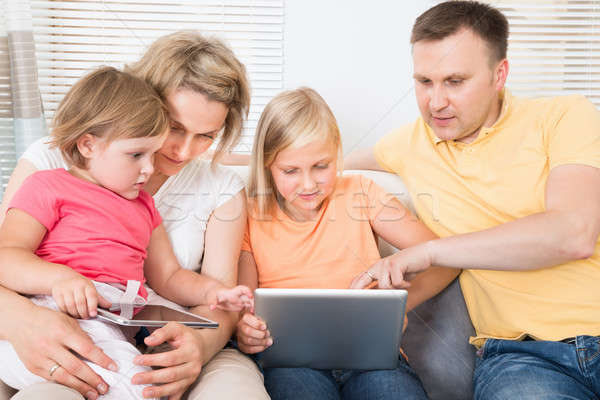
(309, 227)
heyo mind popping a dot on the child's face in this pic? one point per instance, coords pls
(304, 177)
(124, 165)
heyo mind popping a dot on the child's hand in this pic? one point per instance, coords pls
(235, 299)
(77, 296)
(252, 334)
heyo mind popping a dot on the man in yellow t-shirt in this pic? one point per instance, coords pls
(512, 187)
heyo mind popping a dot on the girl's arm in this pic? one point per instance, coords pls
(22, 270)
(183, 286)
(25, 272)
(399, 227)
(252, 334)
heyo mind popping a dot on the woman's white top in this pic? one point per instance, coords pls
(185, 201)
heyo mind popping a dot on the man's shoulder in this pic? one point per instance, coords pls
(547, 107)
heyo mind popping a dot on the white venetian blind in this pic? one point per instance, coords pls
(72, 37)
(554, 47)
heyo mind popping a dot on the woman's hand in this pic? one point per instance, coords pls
(48, 338)
(181, 366)
(252, 334)
(77, 296)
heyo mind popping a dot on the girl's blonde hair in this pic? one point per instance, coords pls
(107, 103)
(292, 118)
(188, 60)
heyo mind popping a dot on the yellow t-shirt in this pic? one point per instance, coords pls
(327, 252)
(501, 176)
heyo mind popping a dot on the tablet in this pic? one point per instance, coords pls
(332, 328)
(157, 315)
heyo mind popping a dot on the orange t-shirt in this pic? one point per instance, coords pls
(327, 252)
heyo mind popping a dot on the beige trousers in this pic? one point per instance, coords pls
(230, 375)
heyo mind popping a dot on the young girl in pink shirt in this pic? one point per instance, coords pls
(310, 227)
(91, 236)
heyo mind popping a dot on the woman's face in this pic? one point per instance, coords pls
(195, 123)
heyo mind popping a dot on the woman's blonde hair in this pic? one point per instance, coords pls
(188, 60)
(110, 104)
(292, 118)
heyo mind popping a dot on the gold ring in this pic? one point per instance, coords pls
(373, 278)
(54, 368)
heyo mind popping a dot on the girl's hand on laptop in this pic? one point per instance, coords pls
(77, 296)
(252, 334)
(234, 299)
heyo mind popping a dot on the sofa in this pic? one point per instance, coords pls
(436, 340)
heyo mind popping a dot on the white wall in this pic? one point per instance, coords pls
(356, 54)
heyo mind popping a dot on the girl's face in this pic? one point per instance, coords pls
(305, 177)
(122, 166)
(195, 122)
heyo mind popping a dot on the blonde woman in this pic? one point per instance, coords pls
(203, 209)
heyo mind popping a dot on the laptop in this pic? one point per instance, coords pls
(332, 328)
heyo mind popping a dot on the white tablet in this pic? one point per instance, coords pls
(332, 328)
(157, 315)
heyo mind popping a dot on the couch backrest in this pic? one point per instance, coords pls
(390, 182)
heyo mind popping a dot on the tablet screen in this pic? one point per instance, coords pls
(157, 315)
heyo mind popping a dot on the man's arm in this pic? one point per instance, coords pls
(567, 230)
(362, 159)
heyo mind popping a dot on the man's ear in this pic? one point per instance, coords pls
(87, 144)
(501, 74)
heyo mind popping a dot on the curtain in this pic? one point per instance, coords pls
(21, 114)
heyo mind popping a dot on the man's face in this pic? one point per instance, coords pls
(457, 90)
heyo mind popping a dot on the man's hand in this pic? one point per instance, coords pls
(395, 271)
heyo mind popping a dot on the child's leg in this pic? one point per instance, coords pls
(112, 341)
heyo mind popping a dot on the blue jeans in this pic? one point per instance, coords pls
(539, 370)
(308, 383)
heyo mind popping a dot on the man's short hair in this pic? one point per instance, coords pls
(445, 19)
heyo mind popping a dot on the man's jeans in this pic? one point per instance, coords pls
(307, 383)
(539, 370)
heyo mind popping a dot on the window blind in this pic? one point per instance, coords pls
(554, 47)
(72, 37)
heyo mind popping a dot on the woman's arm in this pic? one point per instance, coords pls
(196, 347)
(23, 169)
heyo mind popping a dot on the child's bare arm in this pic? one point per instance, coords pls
(185, 287)
(24, 272)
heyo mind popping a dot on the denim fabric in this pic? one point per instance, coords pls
(308, 383)
(539, 370)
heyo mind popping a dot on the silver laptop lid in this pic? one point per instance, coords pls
(332, 328)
